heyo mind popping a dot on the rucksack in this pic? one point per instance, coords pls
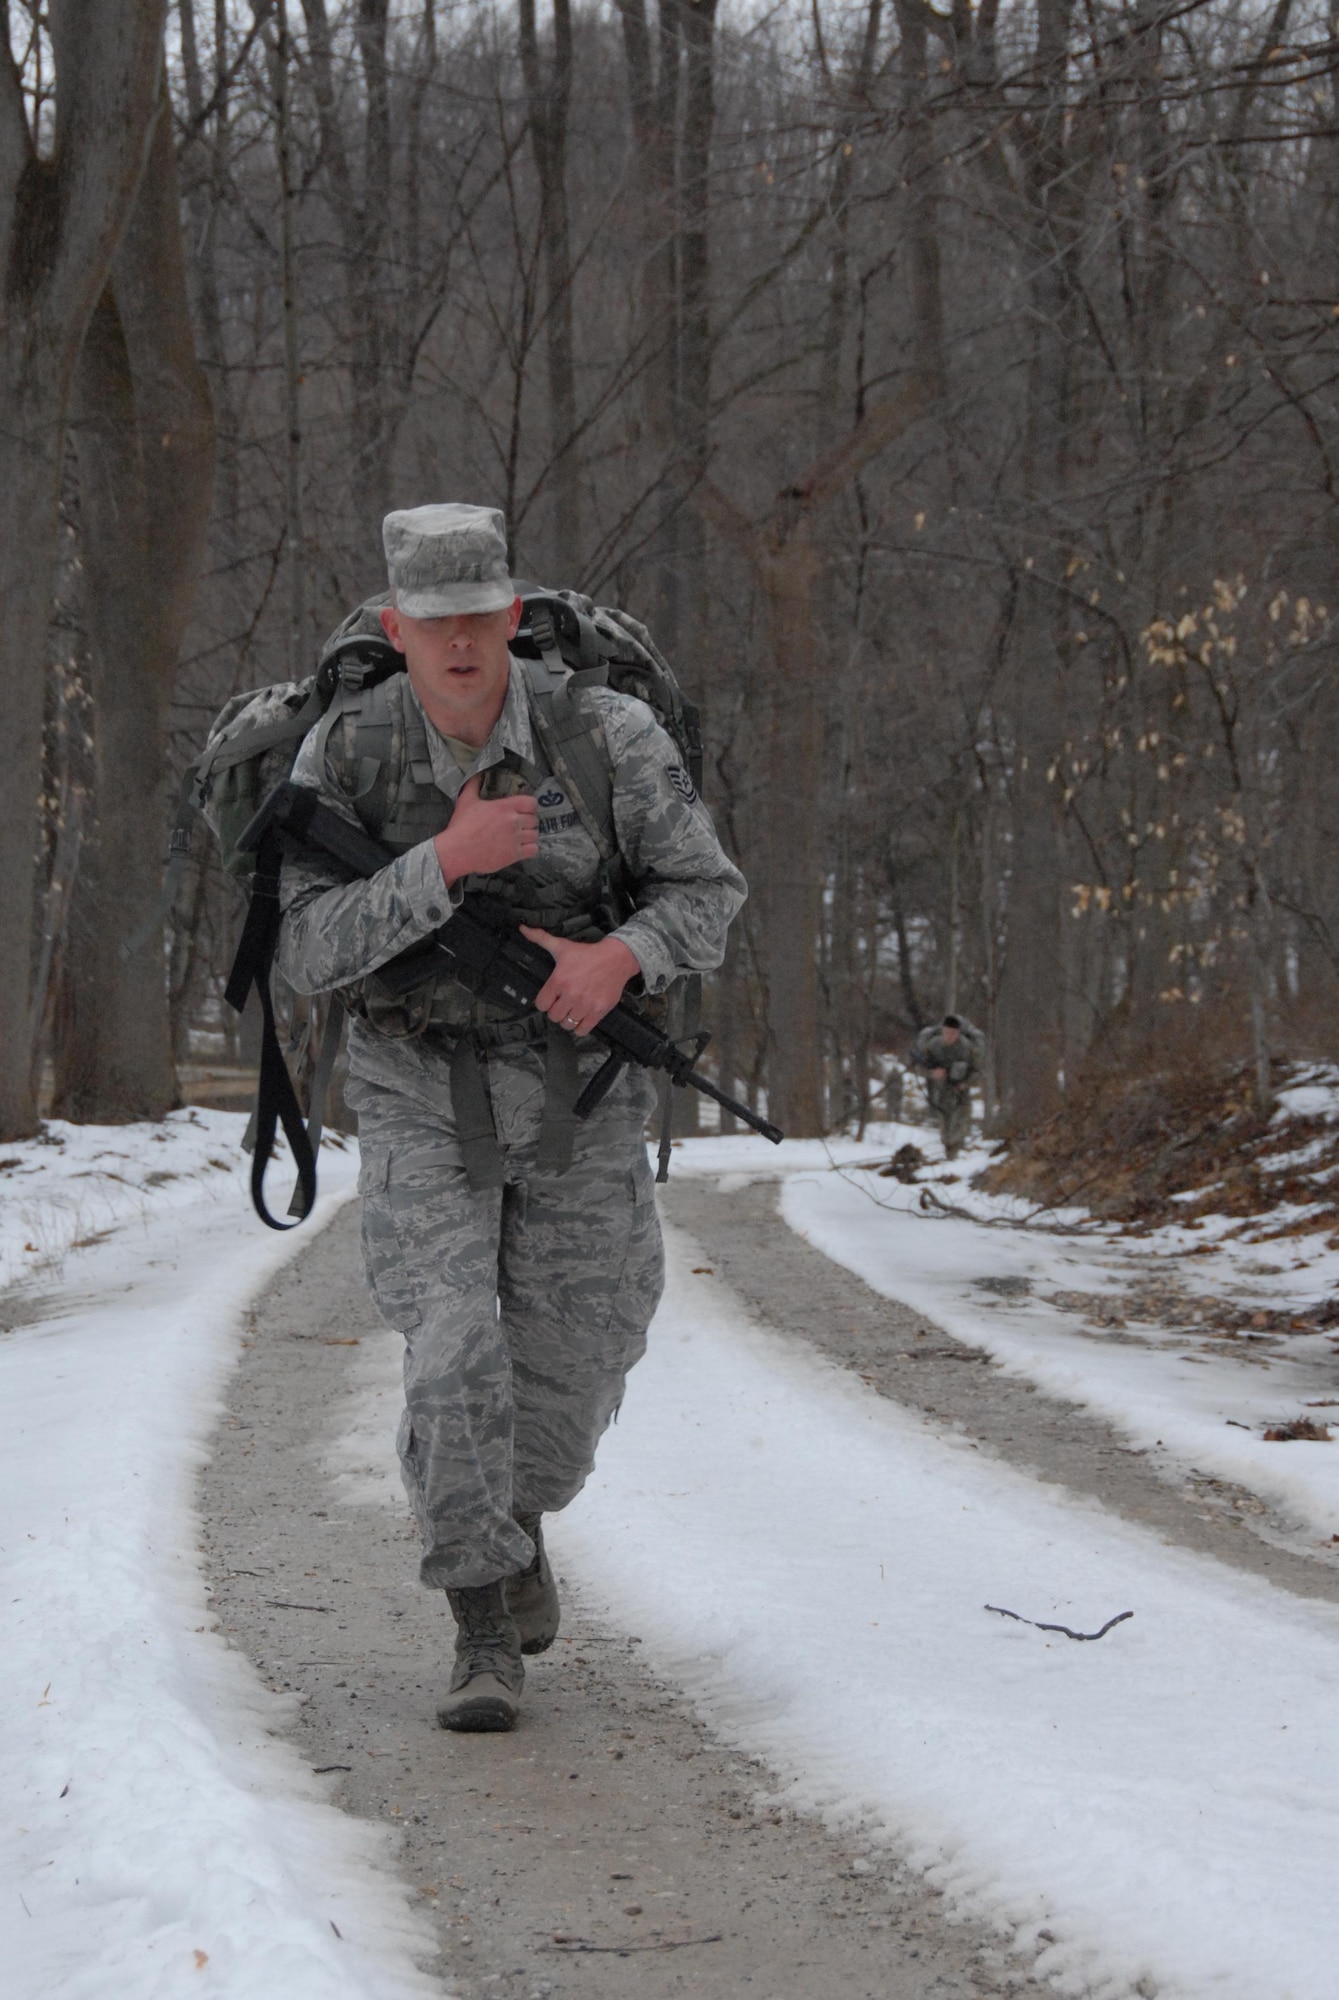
(253, 742)
(255, 737)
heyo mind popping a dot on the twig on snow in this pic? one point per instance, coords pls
(1119, 1619)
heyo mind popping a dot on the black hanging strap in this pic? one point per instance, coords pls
(476, 1133)
(276, 1100)
(320, 1090)
(558, 1122)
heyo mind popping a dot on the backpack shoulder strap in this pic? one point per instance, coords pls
(573, 739)
(356, 742)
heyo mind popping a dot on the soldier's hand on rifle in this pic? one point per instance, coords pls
(588, 979)
(939, 1075)
(487, 834)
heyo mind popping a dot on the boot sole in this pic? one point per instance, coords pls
(484, 1713)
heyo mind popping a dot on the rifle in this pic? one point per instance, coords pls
(479, 945)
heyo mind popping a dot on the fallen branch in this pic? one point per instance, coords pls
(930, 1201)
(1119, 1619)
(562, 1943)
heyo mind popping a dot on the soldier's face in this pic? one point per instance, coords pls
(458, 667)
(951, 1035)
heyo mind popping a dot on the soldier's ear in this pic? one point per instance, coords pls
(390, 625)
(513, 618)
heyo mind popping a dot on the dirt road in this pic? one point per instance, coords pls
(610, 1842)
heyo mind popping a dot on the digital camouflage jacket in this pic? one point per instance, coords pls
(676, 895)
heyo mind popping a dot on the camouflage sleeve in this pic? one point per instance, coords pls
(685, 887)
(335, 932)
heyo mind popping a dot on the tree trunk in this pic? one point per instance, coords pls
(787, 870)
(60, 218)
(692, 386)
(1029, 1011)
(548, 102)
(144, 434)
(654, 93)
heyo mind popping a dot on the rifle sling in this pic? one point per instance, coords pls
(276, 1100)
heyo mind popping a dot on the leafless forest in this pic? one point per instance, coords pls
(953, 390)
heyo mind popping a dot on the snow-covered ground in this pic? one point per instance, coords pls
(157, 1839)
(1157, 1812)
(1034, 1290)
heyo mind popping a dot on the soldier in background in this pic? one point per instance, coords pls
(950, 1056)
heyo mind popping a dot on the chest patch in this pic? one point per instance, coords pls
(556, 814)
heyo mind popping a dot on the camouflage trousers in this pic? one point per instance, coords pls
(522, 1307)
(952, 1107)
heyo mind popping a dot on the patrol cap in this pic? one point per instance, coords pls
(447, 560)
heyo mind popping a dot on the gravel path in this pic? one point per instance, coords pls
(609, 1844)
(610, 1839)
(905, 1356)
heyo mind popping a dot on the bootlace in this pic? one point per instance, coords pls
(486, 1640)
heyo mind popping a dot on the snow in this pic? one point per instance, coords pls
(1154, 1813)
(158, 1839)
(813, 1564)
(1180, 1395)
(1314, 1094)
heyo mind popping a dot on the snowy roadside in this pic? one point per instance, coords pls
(1153, 1814)
(1058, 1301)
(1148, 1821)
(159, 1838)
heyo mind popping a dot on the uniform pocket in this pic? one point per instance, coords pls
(384, 1270)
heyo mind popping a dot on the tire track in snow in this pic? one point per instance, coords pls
(611, 1817)
(789, 1285)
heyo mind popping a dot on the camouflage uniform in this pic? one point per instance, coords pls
(950, 1097)
(524, 1304)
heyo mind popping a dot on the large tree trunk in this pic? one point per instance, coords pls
(548, 99)
(1029, 1012)
(655, 89)
(145, 444)
(783, 553)
(60, 218)
(788, 867)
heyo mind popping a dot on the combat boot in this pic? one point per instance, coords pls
(532, 1597)
(489, 1673)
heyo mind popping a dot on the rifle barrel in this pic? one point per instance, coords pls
(708, 1089)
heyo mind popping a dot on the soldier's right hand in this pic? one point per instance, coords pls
(487, 834)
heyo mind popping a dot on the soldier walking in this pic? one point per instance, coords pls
(516, 1248)
(950, 1056)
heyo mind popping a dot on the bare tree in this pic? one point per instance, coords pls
(143, 426)
(549, 101)
(68, 175)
